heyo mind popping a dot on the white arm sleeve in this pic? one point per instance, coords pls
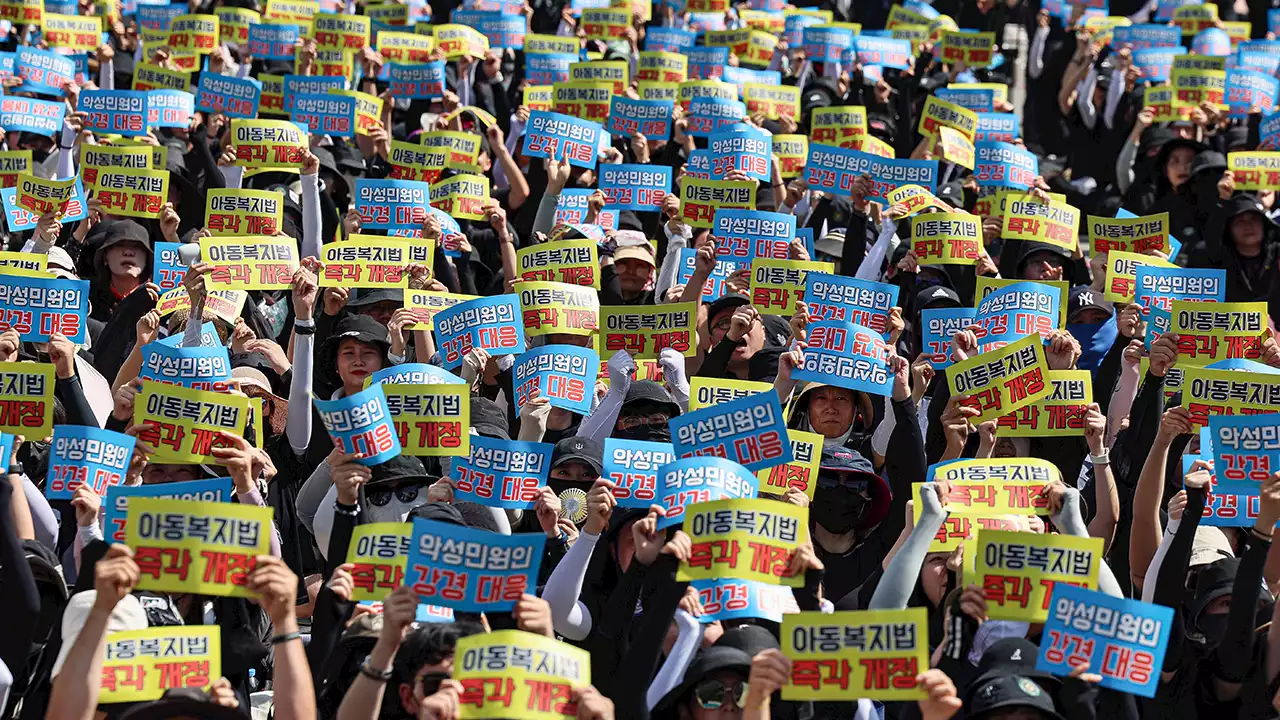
(569, 616)
(310, 215)
(673, 668)
(298, 427)
(870, 267)
(1153, 570)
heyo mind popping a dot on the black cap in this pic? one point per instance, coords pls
(1208, 160)
(1243, 203)
(882, 126)
(936, 297)
(732, 300)
(489, 419)
(368, 296)
(1213, 581)
(707, 662)
(750, 639)
(651, 392)
(579, 449)
(438, 511)
(399, 471)
(1009, 691)
(182, 702)
(1010, 656)
(1084, 297)
(361, 328)
(853, 466)
(124, 230)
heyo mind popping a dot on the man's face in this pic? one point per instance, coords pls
(831, 411)
(633, 274)
(1043, 266)
(381, 311)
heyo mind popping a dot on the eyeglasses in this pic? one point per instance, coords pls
(724, 323)
(635, 421)
(710, 694)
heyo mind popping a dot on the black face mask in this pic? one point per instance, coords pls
(38, 155)
(838, 510)
(646, 432)
(1212, 627)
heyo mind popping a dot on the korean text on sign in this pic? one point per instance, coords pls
(1018, 571)
(90, 455)
(115, 504)
(1003, 380)
(378, 552)
(749, 539)
(37, 307)
(185, 425)
(632, 466)
(515, 674)
(502, 473)
(701, 479)
(850, 356)
(873, 654)
(472, 570)
(361, 423)
(1062, 412)
(1209, 331)
(551, 307)
(1246, 451)
(140, 665)
(564, 374)
(645, 332)
(750, 431)
(430, 419)
(201, 548)
(491, 324)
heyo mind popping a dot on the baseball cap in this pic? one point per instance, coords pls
(127, 615)
(634, 252)
(1084, 297)
(1009, 691)
(587, 451)
(731, 300)
(937, 296)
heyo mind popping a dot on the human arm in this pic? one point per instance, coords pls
(600, 423)
(311, 224)
(1144, 532)
(298, 426)
(569, 615)
(276, 588)
(22, 597)
(1106, 497)
(688, 638)
(1069, 520)
(328, 621)
(900, 577)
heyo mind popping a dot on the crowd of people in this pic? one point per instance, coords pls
(295, 639)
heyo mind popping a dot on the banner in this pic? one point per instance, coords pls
(43, 71)
(97, 157)
(732, 599)
(801, 472)
(332, 30)
(1209, 331)
(324, 114)
(1002, 380)
(947, 239)
(385, 204)
(835, 169)
(1027, 218)
(405, 47)
(502, 473)
(423, 82)
(199, 368)
(38, 307)
(170, 108)
(193, 34)
(1207, 392)
(429, 419)
(361, 423)
(885, 52)
(133, 193)
(1248, 90)
(1195, 86)
(641, 188)
(1255, 170)
(777, 285)
(1003, 164)
(202, 548)
(939, 326)
(1155, 289)
(708, 115)
(974, 49)
(472, 570)
(564, 374)
(12, 164)
(997, 127)
(539, 675)
(583, 99)
(750, 431)
(775, 101)
(552, 135)
(873, 654)
(90, 455)
(27, 389)
(846, 355)
(268, 143)
(1061, 413)
(744, 149)
(234, 24)
(232, 96)
(938, 113)
(250, 263)
(23, 114)
(115, 505)
(826, 43)
(40, 196)
(273, 42)
(1132, 235)
(23, 262)
(1019, 570)
(1122, 640)
(847, 299)
(698, 480)
(1121, 269)
(366, 261)
(492, 324)
(707, 392)
(550, 307)
(243, 212)
(117, 112)
(701, 199)
(140, 665)
(668, 39)
(461, 196)
(378, 553)
(425, 304)
(979, 100)
(747, 539)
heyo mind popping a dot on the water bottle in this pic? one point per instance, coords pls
(253, 681)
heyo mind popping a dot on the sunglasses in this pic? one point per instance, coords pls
(380, 497)
(710, 694)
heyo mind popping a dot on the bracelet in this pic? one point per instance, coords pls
(1259, 534)
(15, 469)
(286, 637)
(352, 510)
(370, 672)
(1103, 459)
(304, 329)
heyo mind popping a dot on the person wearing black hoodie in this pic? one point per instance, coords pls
(1241, 239)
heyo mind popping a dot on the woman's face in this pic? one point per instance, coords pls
(126, 259)
(1247, 231)
(934, 577)
(356, 361)
(633, 274)
(1178, 170)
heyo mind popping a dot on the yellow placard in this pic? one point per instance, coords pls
(40, 196)
(462, 196)
(700, 199)
(234, 22)
(431, 420)
(705, 391)
(583, 99)
(777, 285)
(801, 473)
(1208, 392)
(147, 76)
(413, 161)
(366, 261)
(573, 262)
(184, 425)
(658, 67)
(1194, 18)
(426, 303)
(22, 12)
(261, 262)
(339, 31)
(615, 72)
(1061, 413)
(515, 674)
(1027, 218)
(224, 304)
(294, 11)
(405, 47)
(899, 15)
(552, 307)
(956, 147)
(14, 163)
(202, 548)
(915, 197)
(331, 62)
(268, 143)
(1161, 100)
(27, 389)
(973, 49)
(1018, 570)
(605, 23)
(95, 158)
(1193, 87)
(140, 665)
(550, 44)
(25, 261)
(457, 41)
(133, 193)
(775, 101)
(1002, 381)
(759, 50)
(946, 238)
(243, 212)
(379, 553)
(1238, 30)
(1255, 170)
(940, 113)
(659, 91)
(747, 539)
(644, 331)
(792, 152)
(368, 109)
(1138, 235)
(539, 97)
(1122, 268)
(197, 34)
(916, 33)
(463, 148)
(78, 34)
(838, 126)
(691, 90)
(393, 14)
(1209, 331)
(873, 654)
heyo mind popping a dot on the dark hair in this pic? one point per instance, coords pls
(428, 644)
(477, 516)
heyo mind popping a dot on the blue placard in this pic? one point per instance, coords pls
(1010, 313)
(1269, 132)
(1265, 63)
(82, 67)
(565, 374)
(548, 68)
(635, 187)
(668, 39)
(415, 374)
(362, 424)
(158, 17)
(20, 218)
(502, 473)
(1000, 164)
(707, 63)
(885, 52)
(709, 114)
(714, 288)
(1273, 21)
(632, 466)
(1211, 41)
(503, 31)
(702, 479)
(333, 115)
(744, 235)
(981, 100)
(115, 112)
(232, 96)
(170, 108)
(1156, 64)
(423, 81)
(208, 337)
(699, 164)
(937, 326)
(167, 270)
(91, 455)
(273, 42)
(751, 431)
(833, 168)
(6, 448)
(1246, 451)
(1155, 289)
(1165, 8)
(806, 234)
(571, 206)
(37, 307)
(1143, 37)
(8, 63)
(922, 9)
(552, 135)
(387, 204)
(848, 299)
(295, 85)
(23, 114)
(1247, 90)
(42, 71)
(794, 25)
(741, 76)
(493, 324)
(826, 44)
(997, 127)
(734, 599)
(1122, 640)
(115, 505)
(200, 368)
(847, 355)
(650, 118)
(741, 147)
(472, 570)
